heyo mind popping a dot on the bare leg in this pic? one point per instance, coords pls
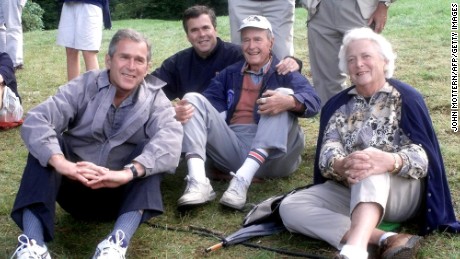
(73, 63)
(364, 220)
(90, 58)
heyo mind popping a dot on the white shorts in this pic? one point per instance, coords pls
(80, 26)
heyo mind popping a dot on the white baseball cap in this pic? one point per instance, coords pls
(256, 21)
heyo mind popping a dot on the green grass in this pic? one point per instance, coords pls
(420, 33)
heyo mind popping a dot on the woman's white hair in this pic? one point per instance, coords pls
(383, 45)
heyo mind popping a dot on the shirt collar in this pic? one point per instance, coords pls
(262, 71)
(386, 88)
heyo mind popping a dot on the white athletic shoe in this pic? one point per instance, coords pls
(196, 193)
(112, 247)
(29, 249)
(235, 195)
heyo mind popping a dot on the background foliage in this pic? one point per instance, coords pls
(32, 17)
(121, 9)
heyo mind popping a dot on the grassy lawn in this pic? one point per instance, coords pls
(420, 34)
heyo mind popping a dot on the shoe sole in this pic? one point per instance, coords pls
(233, 206)
(194, 204)
(408, 251)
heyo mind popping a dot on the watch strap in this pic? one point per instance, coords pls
(396, 166)
(133, 170)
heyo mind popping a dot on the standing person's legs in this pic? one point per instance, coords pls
(90, 58)
(239, 10)
(281, 15)
(80, 28)
(2, 27)
(73, 63)
(89, 26)
(12, 12)
(66, 38)
(325, 33)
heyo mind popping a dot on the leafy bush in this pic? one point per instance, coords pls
(32, 17)
(52, 15)
(160, 9)
(129, 9)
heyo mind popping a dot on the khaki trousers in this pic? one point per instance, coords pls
(323, 211)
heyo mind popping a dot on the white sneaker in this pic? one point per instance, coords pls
(196, 193)
(29, 249)
(113, 247)
(235, 195)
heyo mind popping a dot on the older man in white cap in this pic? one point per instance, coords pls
(246, 121)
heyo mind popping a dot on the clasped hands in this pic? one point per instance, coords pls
(90, 174)
(364, 163)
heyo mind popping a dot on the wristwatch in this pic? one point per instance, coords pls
(133, 169)
(396, 166)
(386, 3)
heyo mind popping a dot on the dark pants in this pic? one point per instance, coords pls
(41, 187)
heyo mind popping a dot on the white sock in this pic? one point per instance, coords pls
(196, 169)
(354, 252)
(385, 236)
(252, 163)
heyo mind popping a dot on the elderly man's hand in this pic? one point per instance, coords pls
(273, 103)
(184, 111)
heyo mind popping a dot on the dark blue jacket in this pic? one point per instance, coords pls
(7, 72)
(186, 72)
(437, 210)
(225, 89)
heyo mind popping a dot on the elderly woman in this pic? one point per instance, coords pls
(377, 159)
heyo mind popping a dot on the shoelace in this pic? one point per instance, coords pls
(115, 244)
(239, 186)
(192, 184)
(26, 244)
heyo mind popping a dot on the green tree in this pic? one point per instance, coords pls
(32, 17)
